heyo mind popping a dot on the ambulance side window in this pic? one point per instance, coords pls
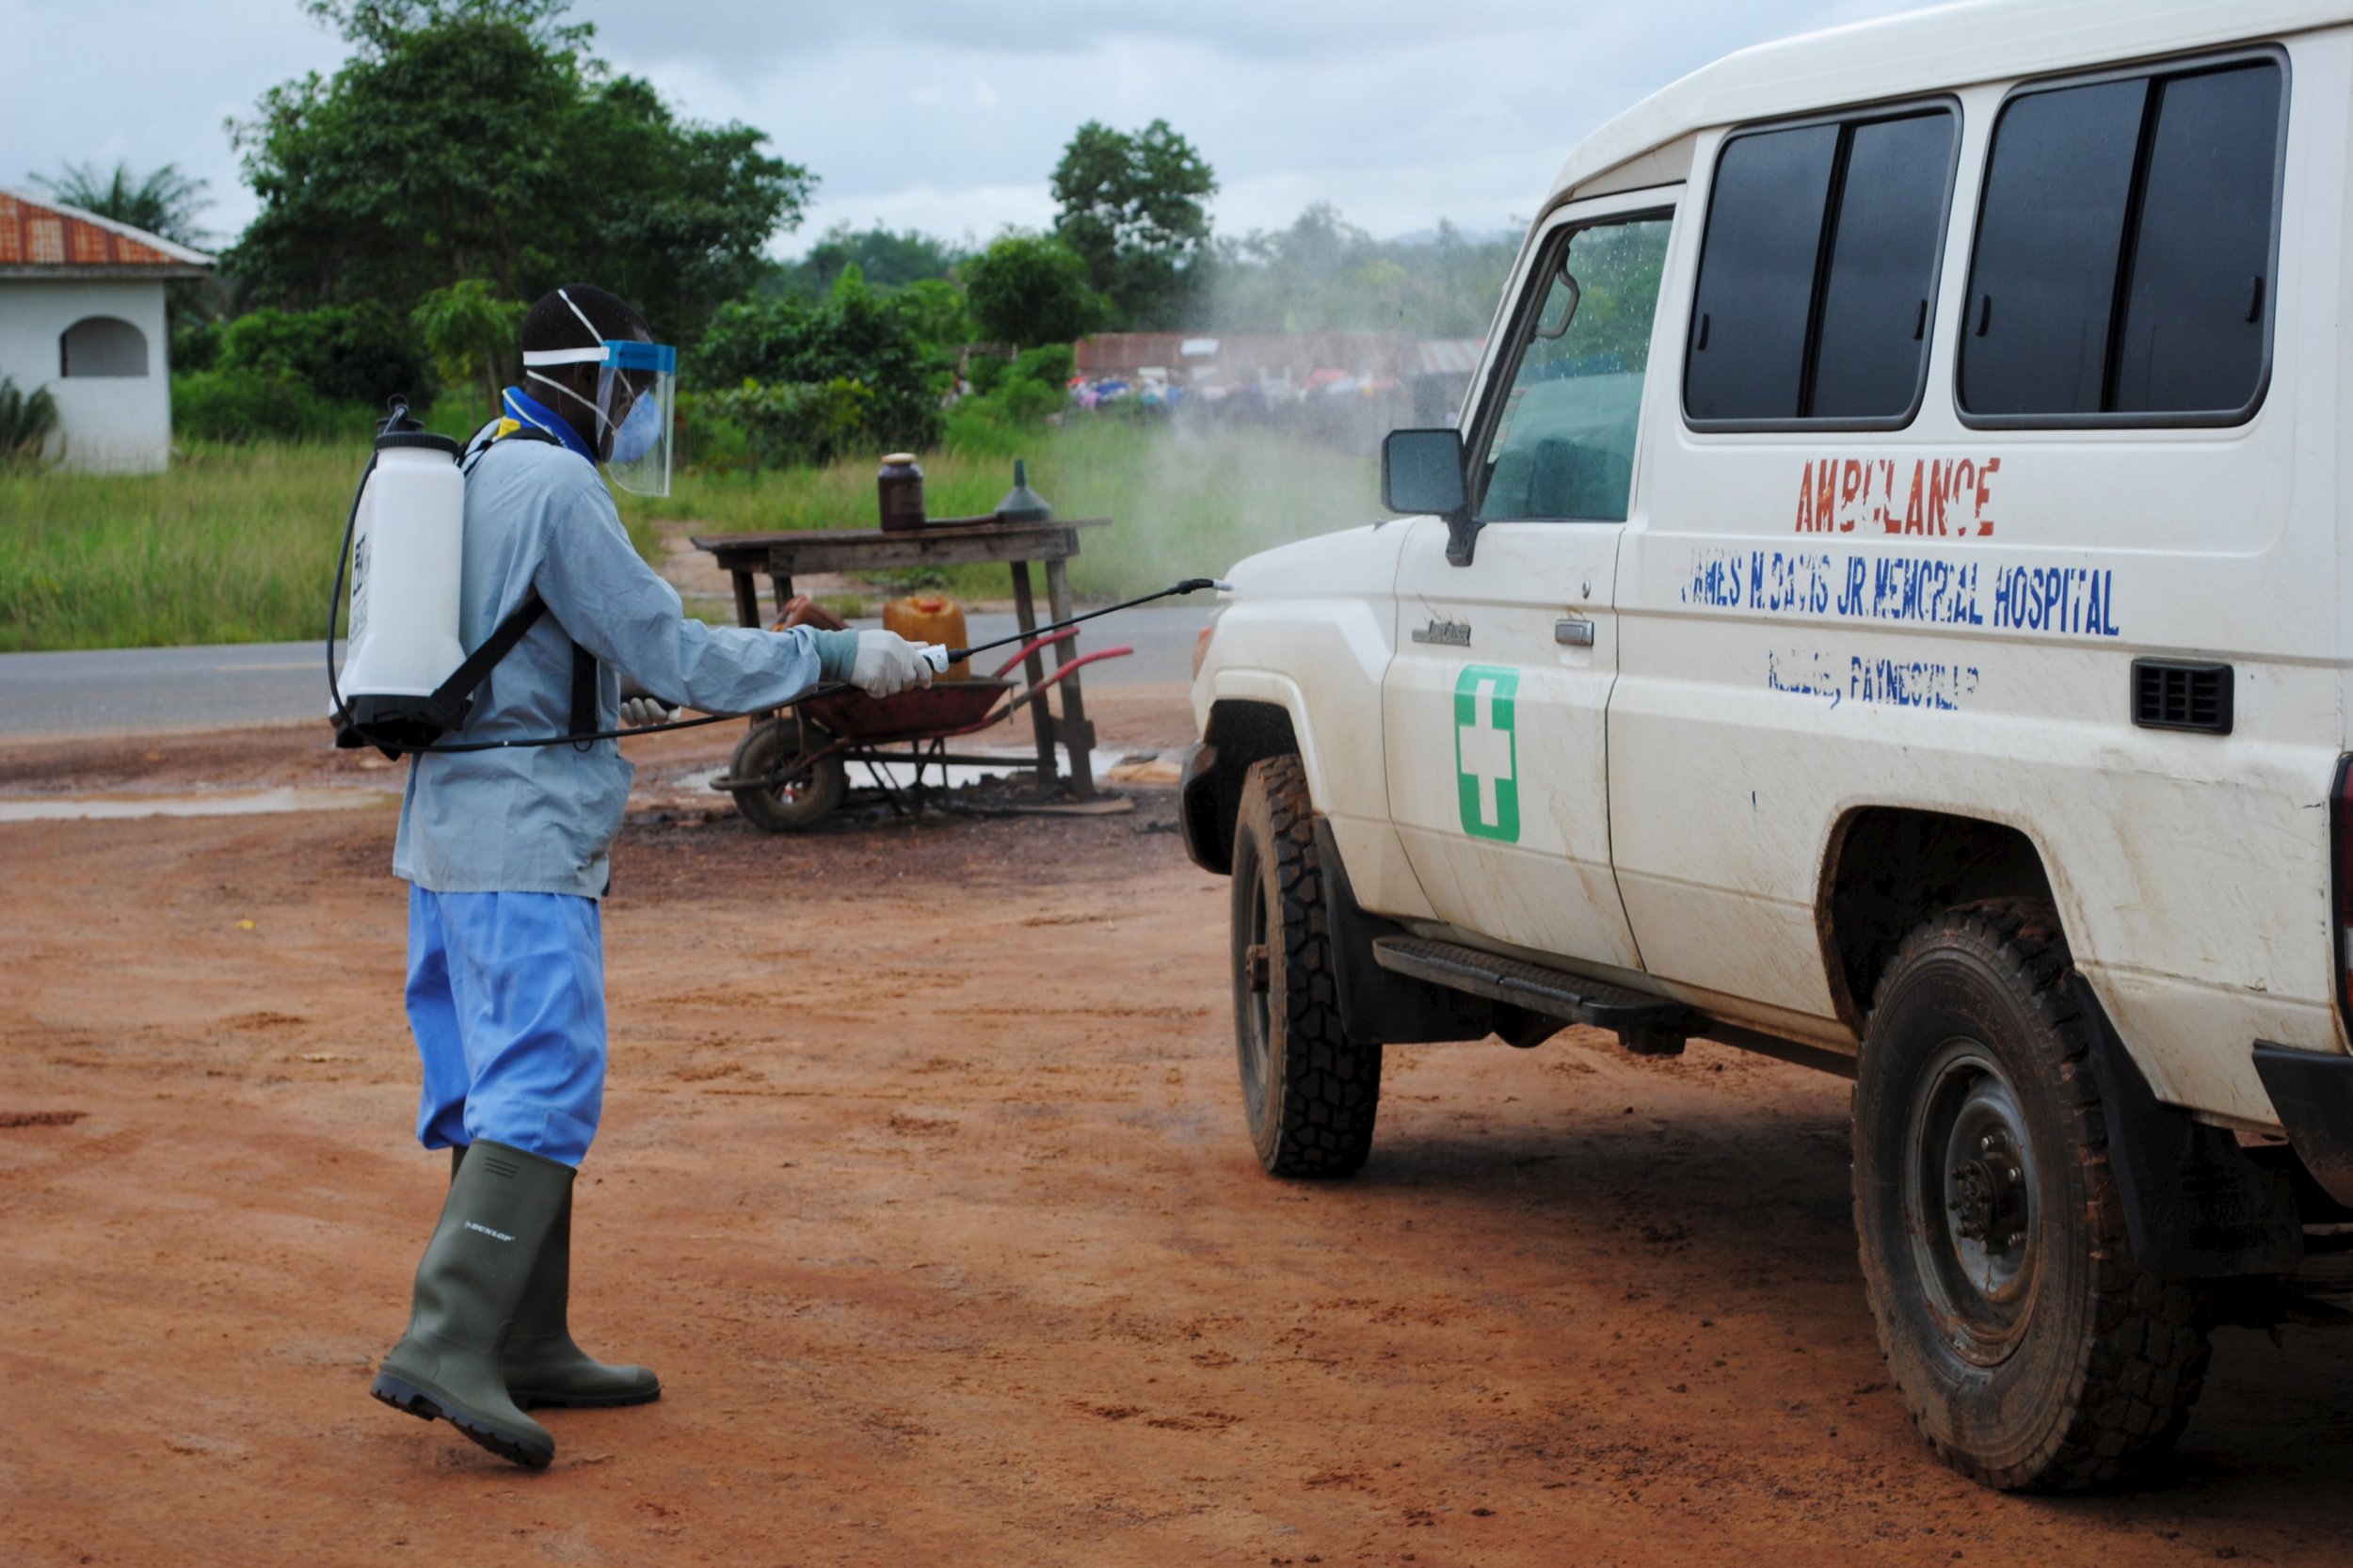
(2124, 262)
(1818, 270)
(1561, 444)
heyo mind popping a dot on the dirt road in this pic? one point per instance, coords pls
(923, 1184)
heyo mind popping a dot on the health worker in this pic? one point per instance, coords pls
(505, 854)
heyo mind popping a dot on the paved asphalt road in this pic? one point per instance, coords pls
(150, 690)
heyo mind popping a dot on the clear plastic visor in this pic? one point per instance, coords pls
(636, 407)
(638, 390)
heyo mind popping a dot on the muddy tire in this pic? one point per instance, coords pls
(795, 802)
(2030, 1351)
(1308, 1091)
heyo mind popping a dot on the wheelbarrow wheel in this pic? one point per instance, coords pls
(801, 797)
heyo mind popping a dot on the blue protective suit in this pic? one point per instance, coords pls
(506, 851)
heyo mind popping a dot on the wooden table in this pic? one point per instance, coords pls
(782, 556)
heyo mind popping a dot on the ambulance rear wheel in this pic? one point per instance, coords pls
(1309, 1093)
(2031, 1351)
(800, 796)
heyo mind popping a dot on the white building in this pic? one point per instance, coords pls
(81, 313)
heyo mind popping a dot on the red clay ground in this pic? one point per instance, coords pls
(923, 1186)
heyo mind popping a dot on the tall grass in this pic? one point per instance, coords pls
(232, 544)
(237, 543)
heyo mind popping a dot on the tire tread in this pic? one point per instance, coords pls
(1330, 1092)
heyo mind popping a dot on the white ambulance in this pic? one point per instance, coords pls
(1888, 604)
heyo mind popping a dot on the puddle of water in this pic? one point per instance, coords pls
(224, 803)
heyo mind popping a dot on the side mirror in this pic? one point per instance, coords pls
(1421, 471)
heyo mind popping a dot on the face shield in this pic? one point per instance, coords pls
(635, 404)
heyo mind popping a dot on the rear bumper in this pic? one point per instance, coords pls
(2313, 1095)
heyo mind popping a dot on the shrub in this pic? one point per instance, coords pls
(1049, 364)
(350, 353)
(241, 405)
(799, 422)
(1011, 395)
(854, 334)
(27, 421)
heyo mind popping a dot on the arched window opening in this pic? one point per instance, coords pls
(102, 345)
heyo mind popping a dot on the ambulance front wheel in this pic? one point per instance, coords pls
(793, 797)
(1309, 1093)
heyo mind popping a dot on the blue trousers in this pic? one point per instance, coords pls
(507, 999)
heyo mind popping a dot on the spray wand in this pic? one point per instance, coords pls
(938, 657)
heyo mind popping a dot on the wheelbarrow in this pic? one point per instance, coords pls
(793, 768)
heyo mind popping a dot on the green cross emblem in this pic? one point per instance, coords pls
(1486, 751)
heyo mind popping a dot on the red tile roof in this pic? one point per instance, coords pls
(35, 234)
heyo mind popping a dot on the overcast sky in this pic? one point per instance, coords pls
(947, 116)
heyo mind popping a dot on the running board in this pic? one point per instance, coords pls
(1648, 1024)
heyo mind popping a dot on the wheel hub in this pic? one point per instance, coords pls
(1970, 1202)
(1988, 1203)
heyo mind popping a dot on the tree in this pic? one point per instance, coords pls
(889, 259)
(479, 139)
(1027, 289)
(470, 331)
(1131, 209)
(164, 203)
(1323, 274)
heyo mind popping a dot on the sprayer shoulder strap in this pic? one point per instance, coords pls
(498, 643)
(497, 646)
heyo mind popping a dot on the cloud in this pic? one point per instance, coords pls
(949, 115)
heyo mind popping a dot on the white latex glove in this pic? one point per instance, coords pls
(888, 663)
(638, 711)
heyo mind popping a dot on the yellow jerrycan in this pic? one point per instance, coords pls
(930, 619)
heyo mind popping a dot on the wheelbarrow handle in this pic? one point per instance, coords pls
(1122, 652)
(1034, 645)
(1037, 692)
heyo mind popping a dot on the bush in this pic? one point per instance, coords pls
(854, 334)
(239, 406)
(1012, 395)
(348, 353)
(798, 422)
(1051, 364)
(27, 421)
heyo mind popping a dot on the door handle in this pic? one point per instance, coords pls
(1573, 631)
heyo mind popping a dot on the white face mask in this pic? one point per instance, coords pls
(637, 433)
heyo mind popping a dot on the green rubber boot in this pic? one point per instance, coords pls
(502, 1203)
(541, 1362)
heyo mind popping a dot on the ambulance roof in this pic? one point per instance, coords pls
(1945, 47)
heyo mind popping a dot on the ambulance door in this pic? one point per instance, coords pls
(1494, 705)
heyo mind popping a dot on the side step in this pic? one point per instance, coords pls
(1573, 999)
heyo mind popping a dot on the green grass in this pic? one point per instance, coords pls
(1182, 504)
(237, 543)
(233, 544)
